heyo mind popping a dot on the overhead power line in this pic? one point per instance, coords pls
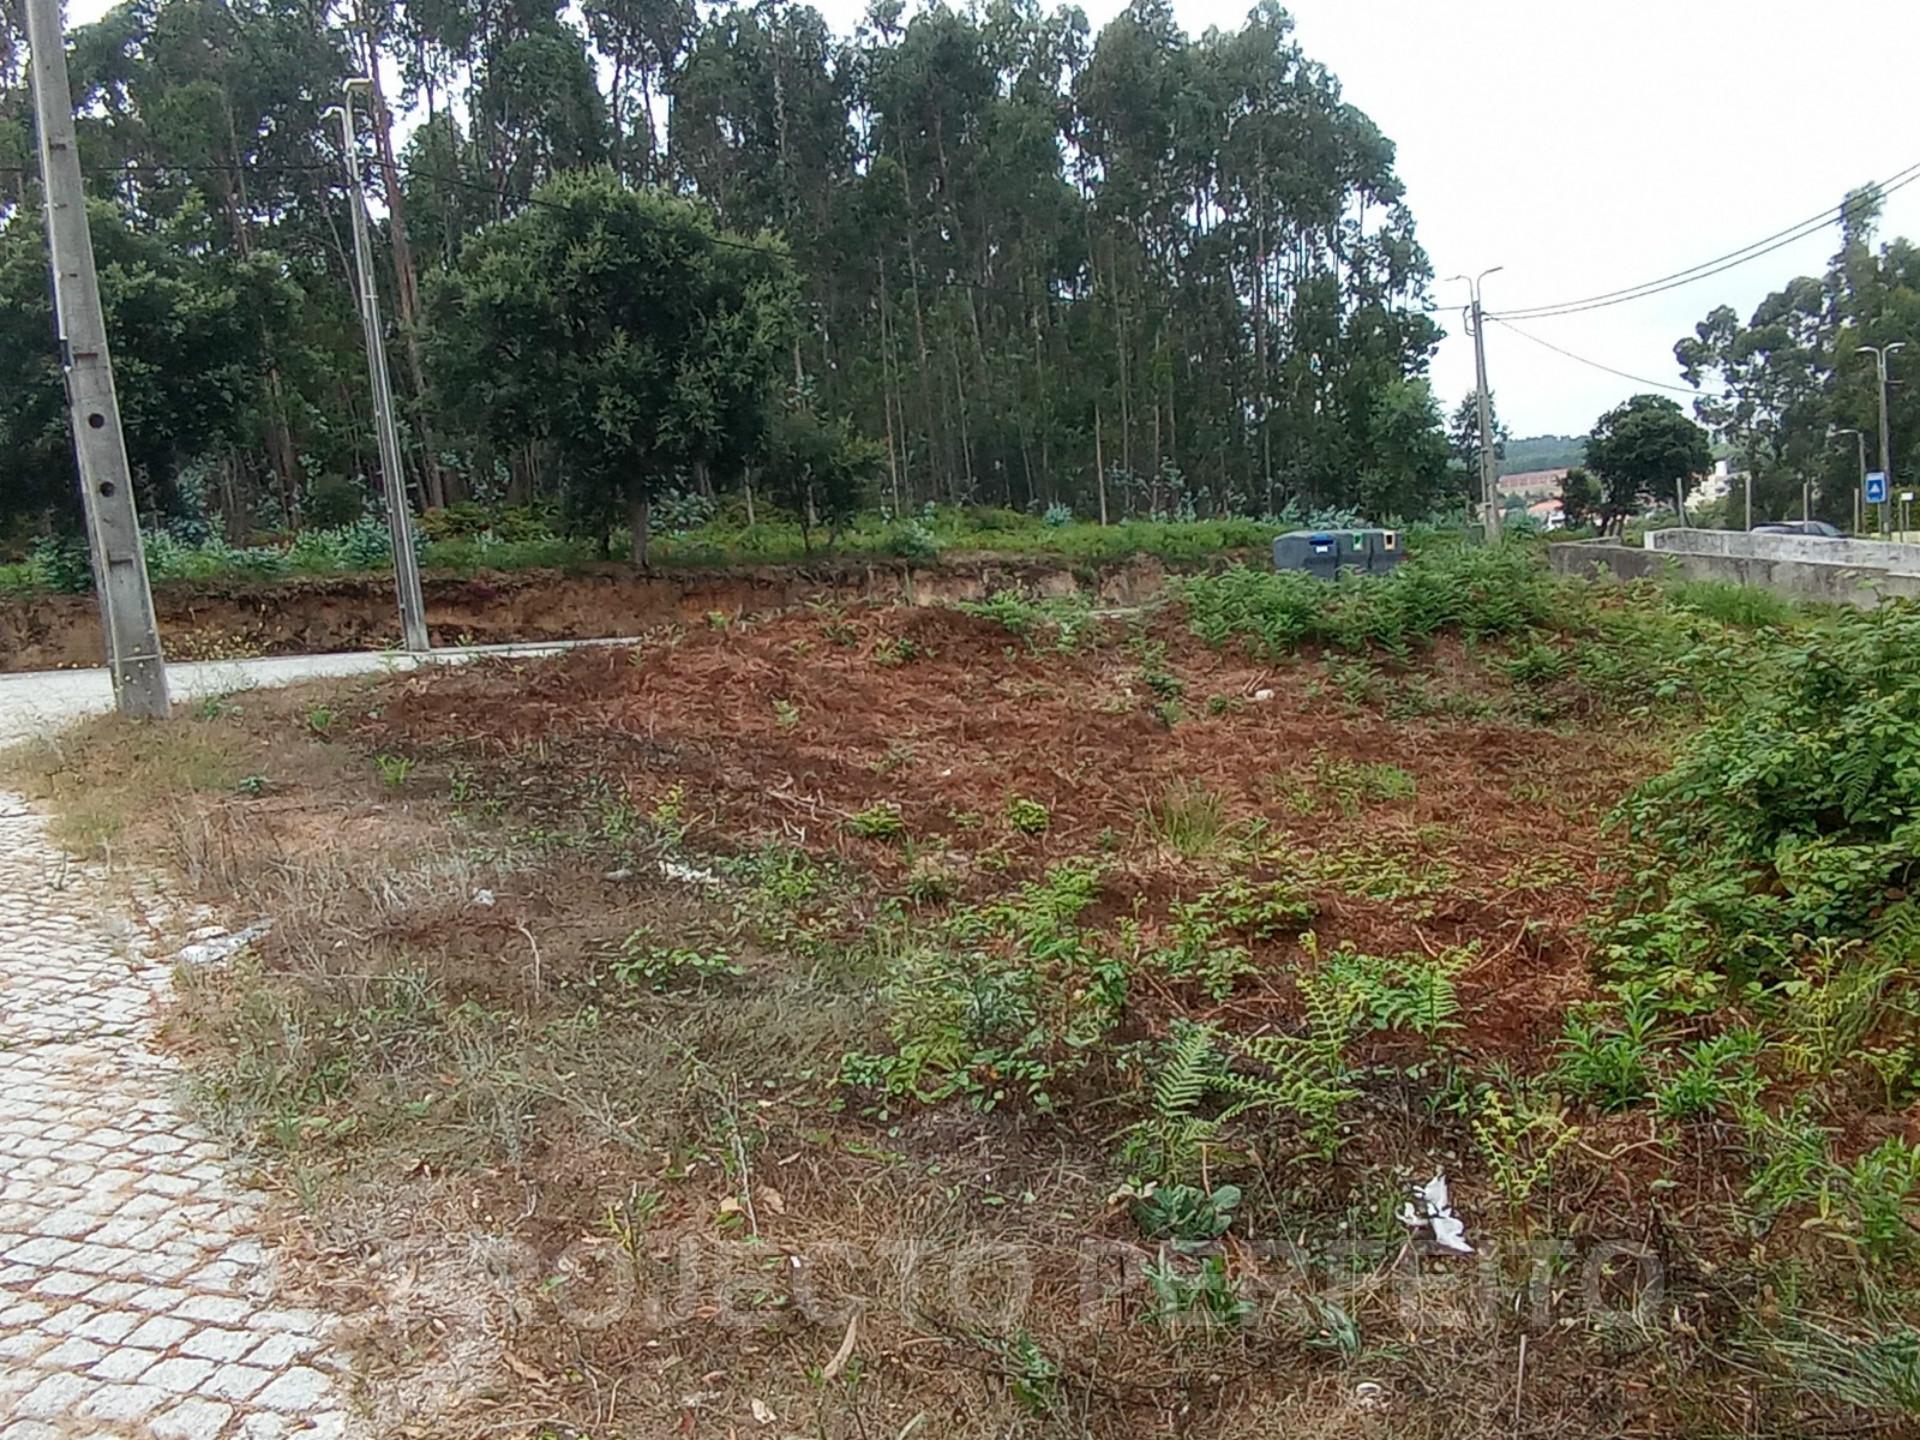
(1706, 269)
(1623, 374)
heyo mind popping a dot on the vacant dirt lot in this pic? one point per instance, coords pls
(860, 1020)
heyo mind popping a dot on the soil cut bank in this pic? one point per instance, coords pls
(216, 621)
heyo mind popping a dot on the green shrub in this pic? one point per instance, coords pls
(1475, 592)
(1797, 812)
(1749, 606)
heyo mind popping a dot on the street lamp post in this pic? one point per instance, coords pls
(1489, 483)
(1880, 355)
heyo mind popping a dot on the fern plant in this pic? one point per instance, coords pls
(1606, 1052)
(1402, 992)
(1832, 1001)
(1520, 1136)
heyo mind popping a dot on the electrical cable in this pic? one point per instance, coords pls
(1706, 269)
(1622, 374)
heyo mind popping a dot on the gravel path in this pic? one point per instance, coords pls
(135, 1300)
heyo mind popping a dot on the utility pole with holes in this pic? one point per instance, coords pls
(1489, 480)
(406, 568)
(106, 483)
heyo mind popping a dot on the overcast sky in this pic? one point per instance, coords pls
(1590, 147)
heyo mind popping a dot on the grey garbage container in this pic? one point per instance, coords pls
(1384, 551)
(1317, 552)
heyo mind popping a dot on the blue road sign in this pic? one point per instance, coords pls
(1876, 487)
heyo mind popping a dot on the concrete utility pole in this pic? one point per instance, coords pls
(1880, 354)
(406, 568)
(100, 450)
(1489, 481)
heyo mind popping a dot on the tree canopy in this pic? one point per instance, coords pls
(1645, 452)
(1034, 263)
(1778, 386)
(620, 329)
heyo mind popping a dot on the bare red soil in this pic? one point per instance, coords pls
(217, 621)
(786, 729)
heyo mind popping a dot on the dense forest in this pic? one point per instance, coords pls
(1131, 272)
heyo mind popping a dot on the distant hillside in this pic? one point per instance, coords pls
(1543, 452)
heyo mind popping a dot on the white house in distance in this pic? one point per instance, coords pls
(1540, 489)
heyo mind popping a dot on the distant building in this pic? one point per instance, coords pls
(1533, 484)
(1546, 513)
(1716, 483)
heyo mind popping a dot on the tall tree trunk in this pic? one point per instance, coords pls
(279, 434)
(406, 277)
(919, 320)
(639, 524)
(1099, 463)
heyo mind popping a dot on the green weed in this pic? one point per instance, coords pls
(1187, 1216)
(1029, 817)
(394, 769)
(881, 820)
(661, 968)
(1203, 1297)
(1189, 819)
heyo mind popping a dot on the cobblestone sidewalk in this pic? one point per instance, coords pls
(134, 1301)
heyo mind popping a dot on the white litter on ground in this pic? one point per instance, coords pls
(210, 944)
(688, 874)
(1431, 1209)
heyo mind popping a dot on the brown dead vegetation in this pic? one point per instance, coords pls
(561, 1203)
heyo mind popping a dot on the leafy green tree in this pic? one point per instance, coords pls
(819, 471)
(1409, 475)
(1775, 386)
(620, 328)
(1580, 497)
(1030, 258)
(1463, 435)
(1645, 452)
(185, 328)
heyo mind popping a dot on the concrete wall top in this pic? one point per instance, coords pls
(1807, 549)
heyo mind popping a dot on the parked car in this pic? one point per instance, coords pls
(1813, 529)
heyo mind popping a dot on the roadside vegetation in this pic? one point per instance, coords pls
(822, 1052)
(689, 532)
